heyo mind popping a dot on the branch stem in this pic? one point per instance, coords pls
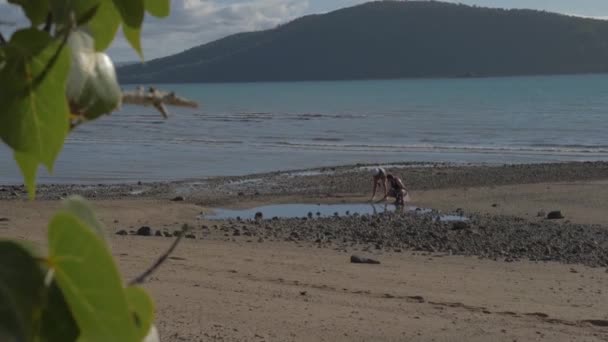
(48, 23)
(142, 278)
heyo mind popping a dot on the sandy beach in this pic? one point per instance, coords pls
(506, 274)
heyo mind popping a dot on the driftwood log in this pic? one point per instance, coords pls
(156, 98)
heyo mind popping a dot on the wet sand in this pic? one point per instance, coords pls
(265, 285)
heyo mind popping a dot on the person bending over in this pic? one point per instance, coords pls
(379, 178)
(397, 189)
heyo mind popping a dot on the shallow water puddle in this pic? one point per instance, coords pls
(294, 210)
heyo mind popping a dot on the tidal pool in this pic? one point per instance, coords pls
(293, 210)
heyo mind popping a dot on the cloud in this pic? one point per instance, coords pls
(191, 23)
(11, 17)
(195, 22)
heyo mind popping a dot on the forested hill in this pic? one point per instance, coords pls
(389, 39)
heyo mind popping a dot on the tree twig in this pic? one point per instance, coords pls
(142, 278)
(36, 82)
(48, 23)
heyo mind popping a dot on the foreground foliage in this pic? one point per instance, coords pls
(56, 76)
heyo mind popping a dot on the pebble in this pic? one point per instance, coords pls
(555, 215)
(144, 231)
(460, 225)
(356, 259)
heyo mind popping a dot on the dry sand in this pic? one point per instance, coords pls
(234, 290)
(581, 202)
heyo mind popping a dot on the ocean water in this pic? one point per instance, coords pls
(256, 127)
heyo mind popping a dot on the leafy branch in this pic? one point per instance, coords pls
(52, 72)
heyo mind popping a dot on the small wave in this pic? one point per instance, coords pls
(236, 117)
(205, 141)
(549, 150)
(289, 116)
(146, 141)
(327, 139)
(570, 146)
(312, 116)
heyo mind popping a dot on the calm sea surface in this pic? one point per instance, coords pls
(256, 127)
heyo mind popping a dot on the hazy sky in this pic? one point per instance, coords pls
(194, 22)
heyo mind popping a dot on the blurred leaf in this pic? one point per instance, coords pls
(79, 207)
(29, 167)
(142, 309)
(35, 10)
(131, 11)
(57, 321)
(89, 279)
(33, 110)
(28, 308)
(133, 37)
(86, 16)
(92, 89)
(158, 8)
(21, 283)
(104, 25)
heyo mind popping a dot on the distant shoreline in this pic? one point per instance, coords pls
(421, 78)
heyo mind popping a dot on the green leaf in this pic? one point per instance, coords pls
(21, 289)
(92, 88)
(133, 37)
(142, 308)
(29, 167)
(33, 109)
(78, 206)
(104, 25)
(57, 321)
(28, 308)
(35, 10)
(89, 279)
(131, 11)
(158, 8)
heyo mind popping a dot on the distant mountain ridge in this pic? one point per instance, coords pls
(390, 39)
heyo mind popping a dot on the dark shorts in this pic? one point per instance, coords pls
(396, 192)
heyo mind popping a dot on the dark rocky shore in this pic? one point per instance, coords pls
(323, 182)
(495, 237)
